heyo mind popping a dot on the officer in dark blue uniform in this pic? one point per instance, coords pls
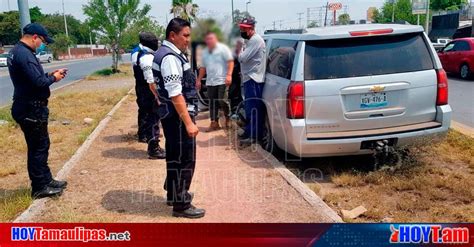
(178, 109)
(147, 97)
(30, 106)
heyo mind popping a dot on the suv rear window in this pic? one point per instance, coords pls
(342, 58)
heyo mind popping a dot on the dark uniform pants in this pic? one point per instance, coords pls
(148, 119)
(180, 162)
(35, 128)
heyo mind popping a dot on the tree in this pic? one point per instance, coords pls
(60, 45)
(111, 18)
(184, 9)
(447, 4)
(344, 19)
(36, 14)
(203, 27)
(130, 37)
(312, 24)
(10, 31)
(403, 12)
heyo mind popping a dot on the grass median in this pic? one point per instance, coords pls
(433, 184)
(91, 98)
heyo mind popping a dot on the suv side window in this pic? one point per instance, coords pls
(281, 58)
(462, 46)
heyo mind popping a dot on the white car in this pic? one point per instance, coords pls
(45, 57)
(348, 90)
(3, 59)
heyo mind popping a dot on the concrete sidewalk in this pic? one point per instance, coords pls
(115, 182)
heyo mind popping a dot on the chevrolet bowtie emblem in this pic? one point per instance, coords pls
(377, 89)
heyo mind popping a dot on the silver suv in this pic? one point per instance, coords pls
(345, 90)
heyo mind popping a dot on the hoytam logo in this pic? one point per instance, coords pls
(75, 234)
(435, 234)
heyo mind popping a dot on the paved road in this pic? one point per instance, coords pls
(461, 99)
(78, 69)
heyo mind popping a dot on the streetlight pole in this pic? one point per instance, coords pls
(24, 13)
(393, 10)
(67, 33)
(427, 24)
(247, 6)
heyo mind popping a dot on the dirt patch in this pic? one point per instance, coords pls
(434, 184)
(68, 107)
(115, 182)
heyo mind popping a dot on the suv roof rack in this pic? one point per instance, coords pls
(289, 31)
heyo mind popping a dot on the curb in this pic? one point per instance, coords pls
(37, 206)
(314, 200)
(463, 129)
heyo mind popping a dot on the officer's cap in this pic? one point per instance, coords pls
(35, 28)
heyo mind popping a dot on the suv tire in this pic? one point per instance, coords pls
(267, 142)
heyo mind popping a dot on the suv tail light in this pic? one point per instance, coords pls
(442, 95)
(295, 100)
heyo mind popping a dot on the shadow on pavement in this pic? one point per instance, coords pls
(125, 153)
(135, 202)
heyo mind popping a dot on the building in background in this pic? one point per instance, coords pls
(371, 14)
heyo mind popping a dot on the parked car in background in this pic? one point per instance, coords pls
(348, 90)
(441, 43)
(458, 57)
(3, 59)
(45, 57)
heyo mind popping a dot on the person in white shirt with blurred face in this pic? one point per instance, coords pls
(218, 64)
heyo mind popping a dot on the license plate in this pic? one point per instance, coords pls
(373, 100)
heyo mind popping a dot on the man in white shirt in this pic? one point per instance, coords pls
(148, 119)
(218, 64)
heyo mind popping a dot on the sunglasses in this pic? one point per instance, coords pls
(42, 39)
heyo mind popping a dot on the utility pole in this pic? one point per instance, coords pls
(90, 40)
(65, 28)
(274, 25)
(281, 24)
(427, 24)
(24, 13)
(300, 18)
(326, 15)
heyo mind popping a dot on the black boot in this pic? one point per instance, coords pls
(155, 151)
(47, 191)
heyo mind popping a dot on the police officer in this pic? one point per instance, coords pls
(147, 100)
(178, 109)
(30, 106)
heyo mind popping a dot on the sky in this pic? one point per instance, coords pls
(284, 13)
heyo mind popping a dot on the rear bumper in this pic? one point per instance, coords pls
(298, 144)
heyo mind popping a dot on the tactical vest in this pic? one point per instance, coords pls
(138, 72)
(188, 83)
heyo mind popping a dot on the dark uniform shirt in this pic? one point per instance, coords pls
(27, 75)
